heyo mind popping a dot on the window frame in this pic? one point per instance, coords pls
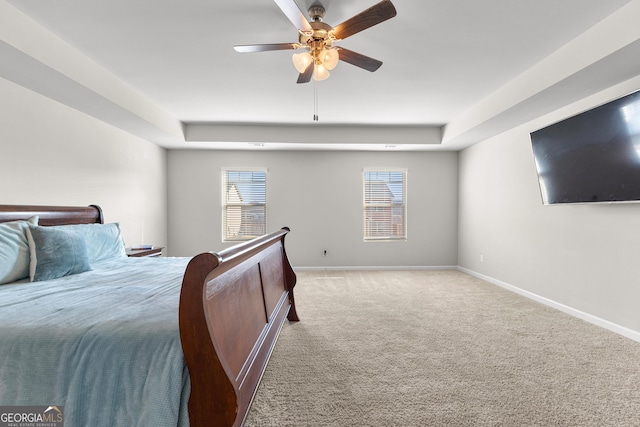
(258, 227)
(390, 207)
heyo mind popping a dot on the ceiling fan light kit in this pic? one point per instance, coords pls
(323, 62)
(318, 38)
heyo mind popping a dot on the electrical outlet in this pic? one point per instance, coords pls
(481, 257)
(324, 252)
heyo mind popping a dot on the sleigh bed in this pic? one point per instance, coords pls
(134, 341)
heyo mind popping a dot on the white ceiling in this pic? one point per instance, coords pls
(442, 59)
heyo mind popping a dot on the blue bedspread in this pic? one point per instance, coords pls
(104, 344)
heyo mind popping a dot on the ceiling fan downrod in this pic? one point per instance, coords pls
(316, 12)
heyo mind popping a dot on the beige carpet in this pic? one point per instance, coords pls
(441, 348)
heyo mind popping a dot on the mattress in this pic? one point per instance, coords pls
(104, 344)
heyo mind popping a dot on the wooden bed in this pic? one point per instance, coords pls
(233, 304)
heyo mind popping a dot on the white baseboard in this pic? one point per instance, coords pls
(376, 268)
(621, 330)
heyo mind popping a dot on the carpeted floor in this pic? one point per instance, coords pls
(441, 348)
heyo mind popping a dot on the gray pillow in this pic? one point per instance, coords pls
(56, 252)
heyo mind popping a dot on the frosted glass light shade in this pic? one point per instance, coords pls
(320, 72)
(301, 61)
(330, 58)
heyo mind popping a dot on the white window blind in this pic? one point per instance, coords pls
(385, 205)
(244, 204)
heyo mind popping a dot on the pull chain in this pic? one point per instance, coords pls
(315, 100)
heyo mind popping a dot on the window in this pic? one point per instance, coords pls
(385, 205)
(244, 204)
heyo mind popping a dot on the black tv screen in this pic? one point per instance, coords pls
(593, 156)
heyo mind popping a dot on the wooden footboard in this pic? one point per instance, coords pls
(232, 307)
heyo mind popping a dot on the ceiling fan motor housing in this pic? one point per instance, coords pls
(321, 33)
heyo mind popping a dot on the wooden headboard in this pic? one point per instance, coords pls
(53, 215)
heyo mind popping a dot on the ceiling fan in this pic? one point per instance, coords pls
(318, 39)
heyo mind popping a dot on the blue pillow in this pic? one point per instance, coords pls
(56, 252)
(14, 250)
(104, 241)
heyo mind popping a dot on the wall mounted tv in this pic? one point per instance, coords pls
(593, 156)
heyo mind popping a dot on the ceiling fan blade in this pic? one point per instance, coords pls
(374, 15)
(249, 48)
(359, 60)
(295, 15)
(306, 76)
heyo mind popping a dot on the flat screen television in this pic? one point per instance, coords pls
(591, 157)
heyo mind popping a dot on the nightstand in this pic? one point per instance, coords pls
(144, 252)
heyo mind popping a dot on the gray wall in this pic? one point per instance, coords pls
(319, 196)
(51, 154)
(586, 257)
